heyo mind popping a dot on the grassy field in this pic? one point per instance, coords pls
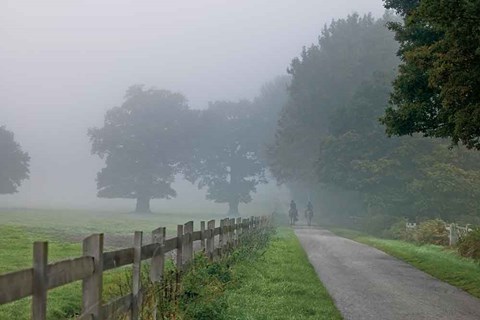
(74, 225)
(442, 263)
(281, 284)
(65, 230)
(16, 253)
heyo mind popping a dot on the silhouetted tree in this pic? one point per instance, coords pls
(329, 132)
(324, 79)
(268, 105)
(144, 144)
(227, 157)
(14, 163)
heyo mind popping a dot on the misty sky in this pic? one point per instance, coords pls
(63, 63)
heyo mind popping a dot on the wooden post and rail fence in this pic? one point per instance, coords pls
(89, 268)
(455, 231)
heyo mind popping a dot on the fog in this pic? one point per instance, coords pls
(64, 63)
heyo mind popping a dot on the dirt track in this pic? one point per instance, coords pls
(368, 284)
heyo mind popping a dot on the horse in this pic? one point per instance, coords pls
(309, 216)
(293, 214)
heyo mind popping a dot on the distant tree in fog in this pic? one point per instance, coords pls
(14, 163)
(227, 158)
(329, 132)
(324, 79)
(269, 104)
(143, 143)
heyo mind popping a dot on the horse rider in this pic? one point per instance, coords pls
(309, 212)
(293, 212)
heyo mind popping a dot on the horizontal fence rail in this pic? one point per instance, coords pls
(89, 268)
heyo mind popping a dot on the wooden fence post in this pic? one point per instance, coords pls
(227, 234)
(158, 260)
(238, 231)
(244, 226)
(211, 238)
(40, 281)
(221, 236)
(202, 235)
(137, 275)
(179, 247)
(232, 232)
(453, 234)
(187, 243)
(92, 285)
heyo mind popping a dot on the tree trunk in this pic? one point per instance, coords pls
(143, 205)
(233, 209)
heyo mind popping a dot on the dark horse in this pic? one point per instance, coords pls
(309, 216)
(293, 214)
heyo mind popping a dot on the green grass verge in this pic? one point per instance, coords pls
(281, 284)
(16, 254)
(440, 262)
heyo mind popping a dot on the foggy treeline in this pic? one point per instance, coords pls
(65, 64)
(332, 143)
(321, 129)
(155, 136)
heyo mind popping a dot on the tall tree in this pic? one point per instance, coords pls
(228, 150)
(268, 105)
(324, 79)
(144, 144)
(436, 91)
(329, 133)
(14, 163)
(406, 176)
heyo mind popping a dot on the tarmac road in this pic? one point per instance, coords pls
(366, 283)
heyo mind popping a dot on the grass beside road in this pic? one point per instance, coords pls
(440, 262)
(281, 284)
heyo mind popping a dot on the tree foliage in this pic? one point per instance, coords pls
(268, 105)
(14, 163)
(329, 135)
(324, 79)
(144, 143)
(227, 158)
(436, 91)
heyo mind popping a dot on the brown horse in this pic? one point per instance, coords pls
(293, 214)
(309, 216)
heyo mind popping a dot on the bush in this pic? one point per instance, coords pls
(377, 224)
(398, 231)
(469, 246)
(431, 232)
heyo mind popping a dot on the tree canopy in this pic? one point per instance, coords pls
(330, 140)
(324, 79)
(144, 143)
(227, 158)
(436, 90)
(14, 163)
